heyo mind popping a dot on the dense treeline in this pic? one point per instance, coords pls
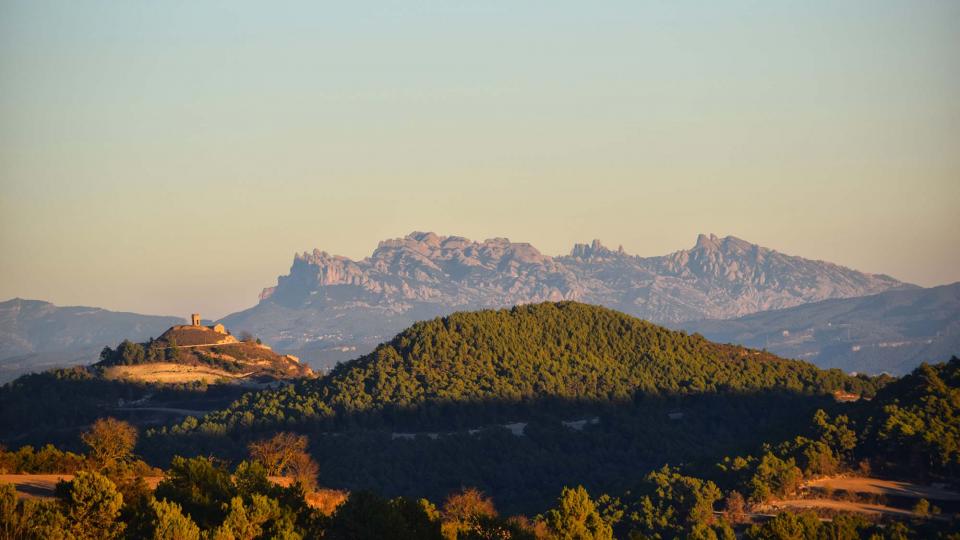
(649, 394)
(911, 430)
(202, 497)
(521, 404)
(129, 353)
(50, 407)
(914, 427)
(568, 352)
(610, 450)
(48, 459)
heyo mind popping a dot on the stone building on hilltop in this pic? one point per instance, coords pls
(218, 328)
(196, 333)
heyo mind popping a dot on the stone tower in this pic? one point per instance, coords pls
(195, 319)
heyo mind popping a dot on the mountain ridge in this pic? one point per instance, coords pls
(893, 331)
(327, 302)
(36, 335)
(562, 351)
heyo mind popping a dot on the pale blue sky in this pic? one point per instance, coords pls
(165, 157)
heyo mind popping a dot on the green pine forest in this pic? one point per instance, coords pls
(553, 420)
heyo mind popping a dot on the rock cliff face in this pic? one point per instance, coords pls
(328, 305)
(424, 267)
(718, 278)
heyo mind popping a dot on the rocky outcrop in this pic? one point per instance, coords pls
(718, 278)
(328, 302)
(424, 267)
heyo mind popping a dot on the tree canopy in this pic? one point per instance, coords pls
(566, 351)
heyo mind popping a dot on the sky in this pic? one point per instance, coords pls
(171, 157)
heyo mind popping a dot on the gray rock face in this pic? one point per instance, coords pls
(424, 267)
(328, 305)
(718, 278)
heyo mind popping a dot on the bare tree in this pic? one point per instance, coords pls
(303, 469)
(285, 454)
(111, 441)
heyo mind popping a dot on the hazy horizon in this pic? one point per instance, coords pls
(170, 158)
(284, 271)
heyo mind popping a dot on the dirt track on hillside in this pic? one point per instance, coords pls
(877, 486)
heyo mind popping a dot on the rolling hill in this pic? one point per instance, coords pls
(188, 353)
(37, 335)
(562, 352)
(521, 401)
(331, 308)
(888, 332)
(187, 370)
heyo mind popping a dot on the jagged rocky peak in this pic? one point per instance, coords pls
(595, 251)
(424, 266)
(417, 241)
(442, 249)
(718, 257)
(706, 241)
(423, 274)
(326, 269)
(712, 242)
(768, 278)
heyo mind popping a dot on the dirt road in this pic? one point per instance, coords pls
(877, 486)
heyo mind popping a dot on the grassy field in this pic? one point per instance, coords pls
(42, 486)
(878, 486)
(866, 495)
(168, 372)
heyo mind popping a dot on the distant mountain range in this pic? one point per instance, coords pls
(331, 308)
(36, 335)
(892, 331)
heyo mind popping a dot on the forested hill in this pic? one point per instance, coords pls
(329, 305)
(914, 426)
(560, 352)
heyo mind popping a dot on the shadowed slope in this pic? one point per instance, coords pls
(564, 351)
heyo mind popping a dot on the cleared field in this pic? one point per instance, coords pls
(877, 486)
(168, 372)
(869, 496)
(42, 486)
